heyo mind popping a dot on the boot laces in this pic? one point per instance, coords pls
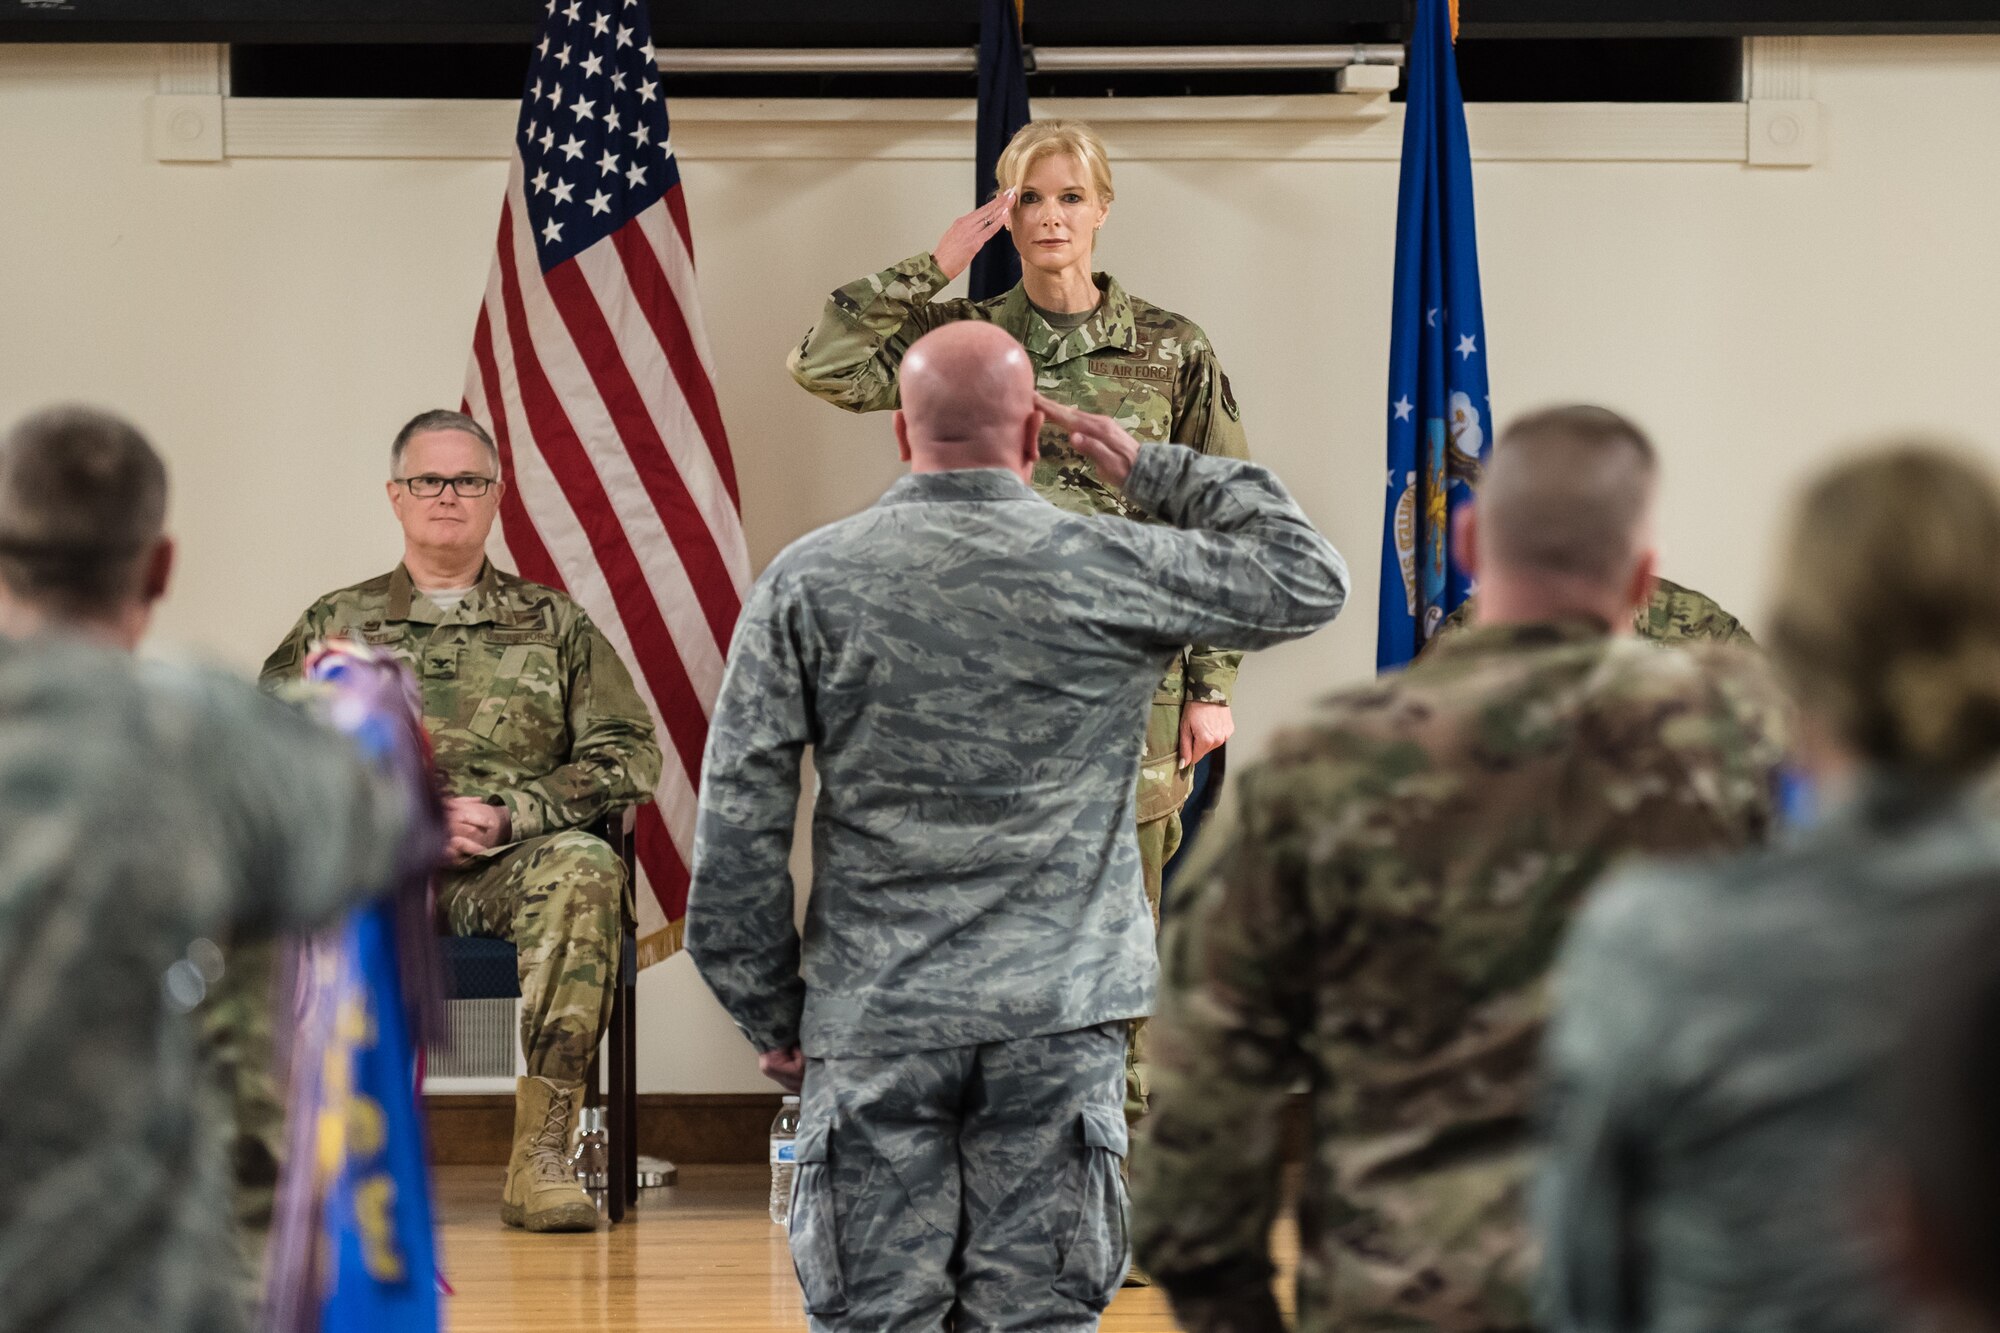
(551, 1146)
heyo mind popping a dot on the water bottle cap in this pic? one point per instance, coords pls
(791, 1101)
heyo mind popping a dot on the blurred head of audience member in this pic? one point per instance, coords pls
(83, 548)
(1887, 617)
(1946, 1124)
(1563, 522)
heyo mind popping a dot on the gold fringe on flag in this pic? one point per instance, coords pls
(1454, 19)
(661, 945)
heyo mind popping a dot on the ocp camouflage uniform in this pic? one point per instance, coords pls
(1676, 614)
(527, 706)
(972, 668)
(1150, 369)
(1379, 923)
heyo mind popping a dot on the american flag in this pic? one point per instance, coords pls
(590, 367)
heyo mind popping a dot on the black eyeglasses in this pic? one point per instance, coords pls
(428, 487)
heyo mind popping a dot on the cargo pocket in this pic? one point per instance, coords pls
(1163, 784)
(1094, 1259)
(815, 1247)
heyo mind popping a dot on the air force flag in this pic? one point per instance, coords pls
(1439, 418)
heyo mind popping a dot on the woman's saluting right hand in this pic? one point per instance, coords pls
(965, 238)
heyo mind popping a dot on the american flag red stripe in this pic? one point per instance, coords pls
(590, 366)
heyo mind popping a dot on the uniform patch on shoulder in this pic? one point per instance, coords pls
(1228, 396)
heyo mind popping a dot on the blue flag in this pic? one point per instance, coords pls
(352, 1248)
(383, 1273)
(1003, 109)
(1440, 420)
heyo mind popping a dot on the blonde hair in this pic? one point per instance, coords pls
(1055, 138)
(1888, 608)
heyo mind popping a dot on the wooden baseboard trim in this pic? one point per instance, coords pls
(682, 1127)
(478, 1129)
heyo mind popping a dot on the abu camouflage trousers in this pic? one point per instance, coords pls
(557, 898)
(975, 1189)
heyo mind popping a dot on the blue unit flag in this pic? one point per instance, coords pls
(1439, 417)
(383, 1272)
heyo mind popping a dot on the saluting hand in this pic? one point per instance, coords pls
(1104, 444)
(965, 238)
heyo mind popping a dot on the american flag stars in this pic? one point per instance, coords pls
(592, 99)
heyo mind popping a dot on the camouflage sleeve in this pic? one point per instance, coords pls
(740, 929)
(317, 829)
(613, 759)
(1605, 1033)
(851, 356)
(1206, 416)
(285, 660)
(1242, 564)
(1224, 1057)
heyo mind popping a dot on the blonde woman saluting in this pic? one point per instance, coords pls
(1094, 347)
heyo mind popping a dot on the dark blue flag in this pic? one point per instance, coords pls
(1003, 109)
(1440, 427)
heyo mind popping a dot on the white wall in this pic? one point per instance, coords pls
(271, 322)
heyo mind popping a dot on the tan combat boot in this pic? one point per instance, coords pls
(542, 1193)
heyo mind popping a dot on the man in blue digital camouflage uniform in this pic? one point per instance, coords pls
(973, 668)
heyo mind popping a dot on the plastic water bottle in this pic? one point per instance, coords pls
(784, 1162)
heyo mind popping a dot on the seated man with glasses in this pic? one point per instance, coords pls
(538, 732)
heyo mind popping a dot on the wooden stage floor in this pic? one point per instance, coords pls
(702, 1257)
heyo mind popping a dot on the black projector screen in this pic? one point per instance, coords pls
(814, 23)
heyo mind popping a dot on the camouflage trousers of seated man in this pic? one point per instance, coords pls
(976, 1188)
(557, 897)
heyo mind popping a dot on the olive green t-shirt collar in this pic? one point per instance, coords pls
(1111, 325)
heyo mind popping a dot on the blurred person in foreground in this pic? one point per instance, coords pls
(1723, 1033)
(973, 668)
(1379, 918)
(1944, 1120)
(144, 809)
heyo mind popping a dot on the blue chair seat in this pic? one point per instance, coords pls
(478, 968)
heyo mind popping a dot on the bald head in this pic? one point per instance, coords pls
(968, 394)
